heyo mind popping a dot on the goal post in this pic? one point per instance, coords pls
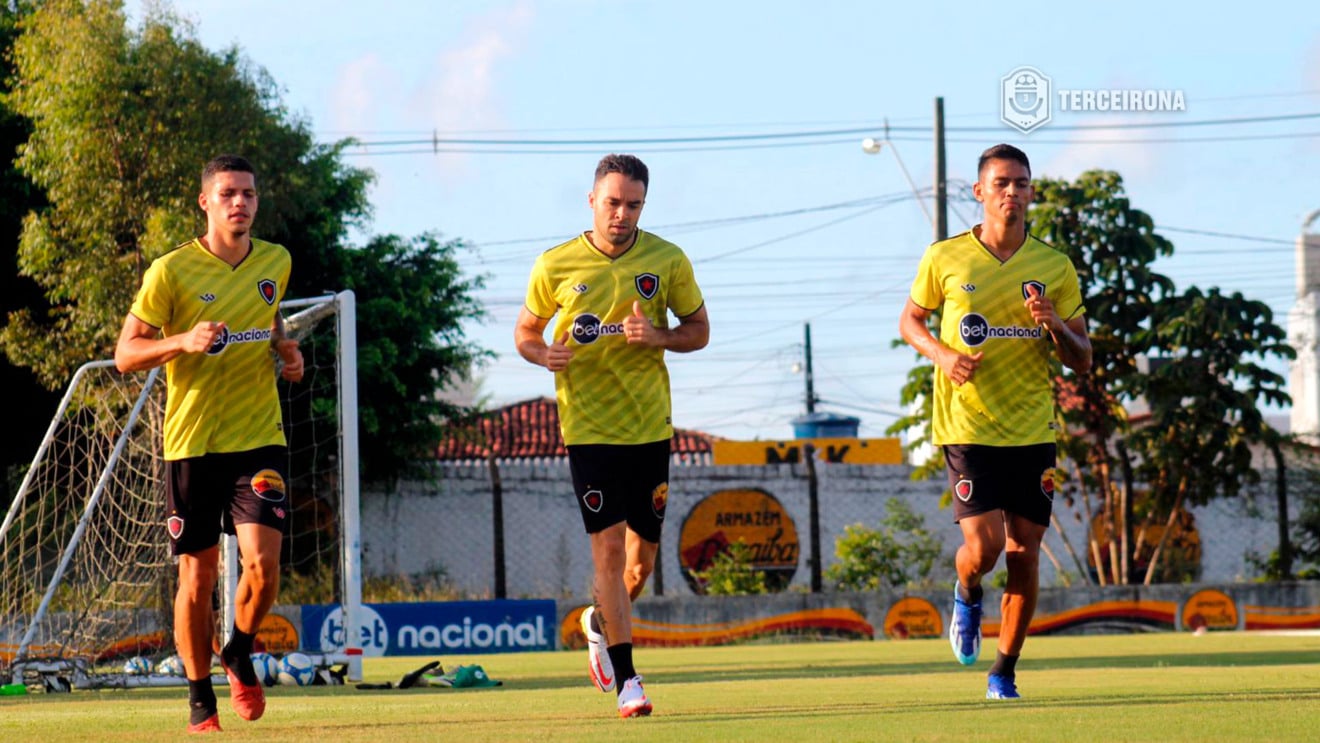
(86, 579)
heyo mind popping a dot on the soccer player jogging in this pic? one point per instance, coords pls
(1007, 301)
(209, 311)
(612, 289)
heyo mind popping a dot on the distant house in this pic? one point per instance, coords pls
(530, 430)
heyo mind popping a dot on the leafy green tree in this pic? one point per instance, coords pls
(900, 554)
(1205, 402)
(122, 121)
(28, 400)
(1113, 246)
(732, 573)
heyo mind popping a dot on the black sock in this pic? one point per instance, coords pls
(237, 655)
(1004, 665)
(970, 595)
(621, 659)
(201, 700)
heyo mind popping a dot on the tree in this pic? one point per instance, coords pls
(28, 400)
(901, 553)
(1113, 246)
(122, 121)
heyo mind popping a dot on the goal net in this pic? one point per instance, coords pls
(87, 581)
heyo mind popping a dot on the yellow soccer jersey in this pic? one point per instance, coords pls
(1008, 401)
(223, 400)
(612, 392)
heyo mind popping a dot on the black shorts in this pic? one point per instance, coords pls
(210, 493)
(1017, 479)
(622, 482)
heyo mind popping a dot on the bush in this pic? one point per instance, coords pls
(900, 554)
(732, 573)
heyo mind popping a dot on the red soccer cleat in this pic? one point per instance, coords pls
(209, 725)
(249, 701)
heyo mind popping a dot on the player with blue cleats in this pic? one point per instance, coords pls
(1001, 687)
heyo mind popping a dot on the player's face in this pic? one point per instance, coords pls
(1005, 189)
(230, 202)
(616, 204)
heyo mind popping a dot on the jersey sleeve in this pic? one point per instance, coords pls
(684, 294)
(927, 289)
(153, 304)
(1069, 302)
(540, 294)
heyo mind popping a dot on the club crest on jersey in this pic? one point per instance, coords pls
(647, 284)
(963, 489)
(660, 499)
(268, 486)
(593, 500)
(266, 288)
(175, 526)
(1037, 285)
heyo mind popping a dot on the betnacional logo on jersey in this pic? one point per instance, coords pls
(587, 328)
(974, 330)
(226, 339)
(267, 289)
(647, 284)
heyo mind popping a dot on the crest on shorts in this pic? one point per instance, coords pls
(1049, 482)
(963, 489)
(660, 499)
(266, 287)
(647, 284)
(1028, 285)
(175, 526)
(268, 485)
(593, 500)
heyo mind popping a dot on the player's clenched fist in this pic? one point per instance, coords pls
(959, 367)
(557, 354)
(637, 328)
(293, 359)
(203, 335)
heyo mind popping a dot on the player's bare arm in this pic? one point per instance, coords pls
(1070, 337)
(529, 338)
(692, 333)
(140, 346)
(912, 325)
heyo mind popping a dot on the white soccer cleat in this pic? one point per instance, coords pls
(632, 700)
(598, 660)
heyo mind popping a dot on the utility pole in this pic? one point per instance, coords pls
(811, 391)
(941, 188)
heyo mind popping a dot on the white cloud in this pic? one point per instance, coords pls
(460, 92)
(364, 89)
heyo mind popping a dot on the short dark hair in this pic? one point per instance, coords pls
(628, 165)
(226, 164)
(1002, 152)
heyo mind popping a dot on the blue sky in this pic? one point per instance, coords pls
(618, 72)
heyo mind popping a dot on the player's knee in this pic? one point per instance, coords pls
(1022, 559)
(262, 572)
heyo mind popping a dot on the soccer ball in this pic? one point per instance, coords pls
(137, 666)
(267, 668)
(170, 666)
(296, 670)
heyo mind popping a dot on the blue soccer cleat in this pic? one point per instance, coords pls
(1001, 687)
(965, 629)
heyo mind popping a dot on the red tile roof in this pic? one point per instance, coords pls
(530, 429)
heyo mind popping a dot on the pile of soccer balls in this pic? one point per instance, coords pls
(294, 669)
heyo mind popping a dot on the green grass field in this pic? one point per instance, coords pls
(1219, 687)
